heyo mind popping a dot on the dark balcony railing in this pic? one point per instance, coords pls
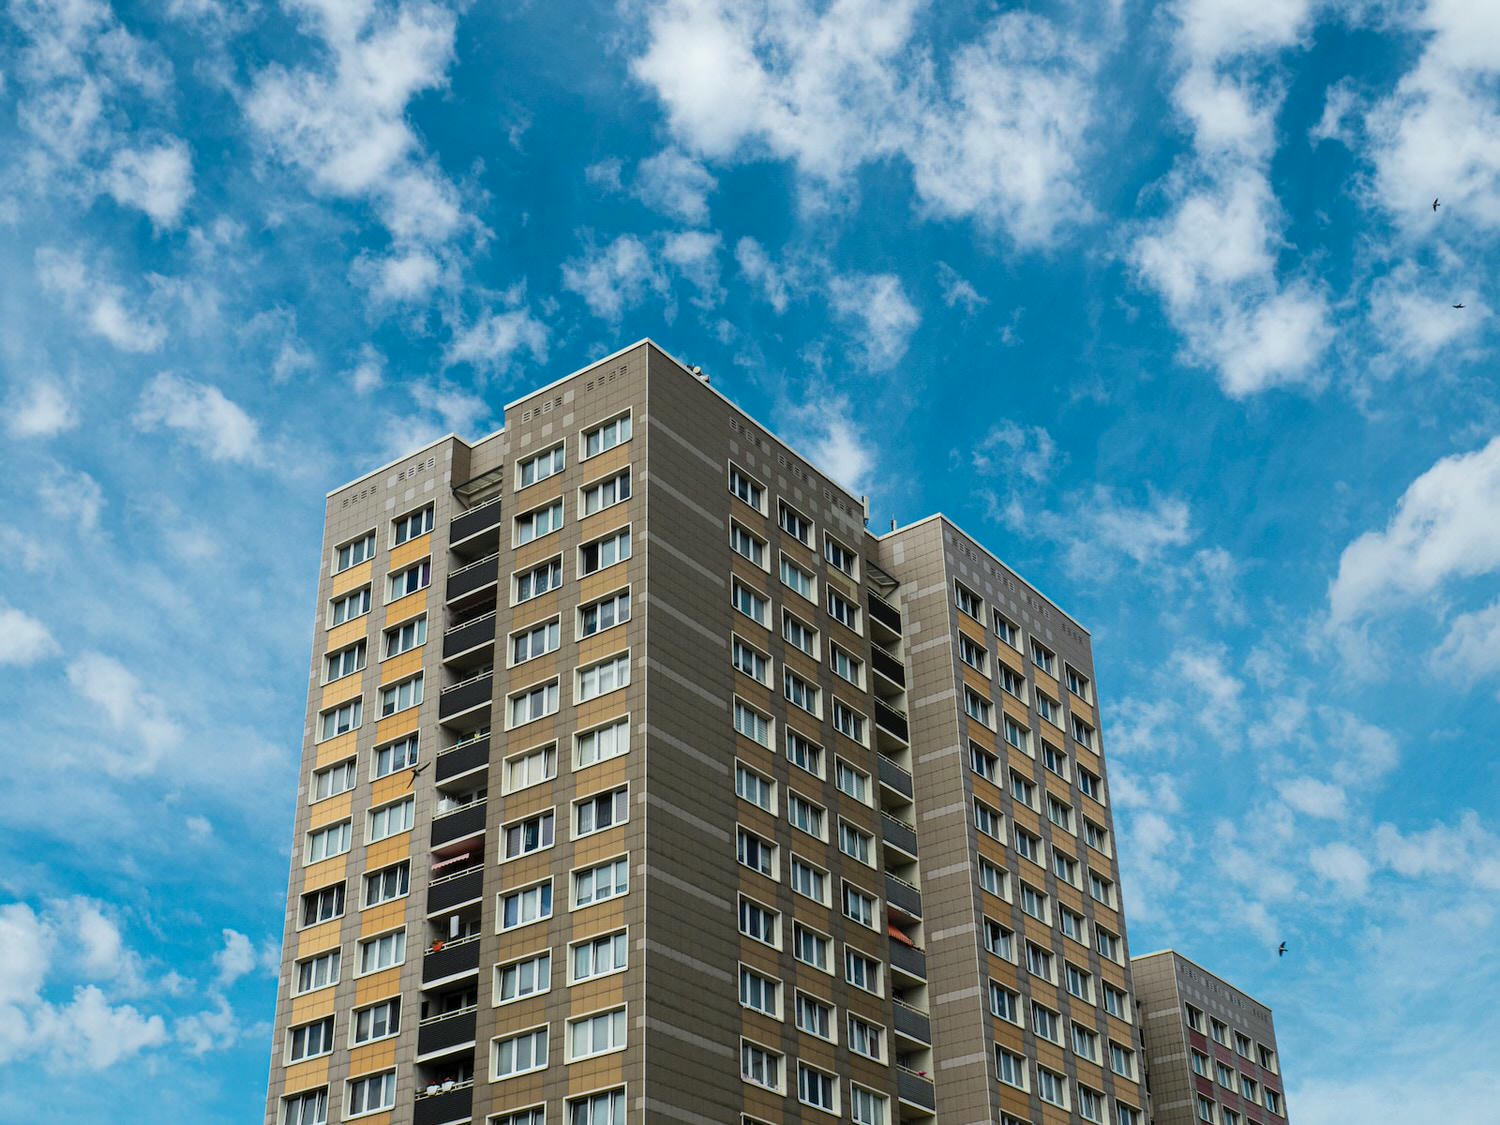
(474, 521)
(884, 612)
(902, 895)
(456, 889)
(443, 1033)
(912, 1023)
(899, 834)
(444, 1107)
(915, 1089)
(888, 666)
(894, 777)
(467, 695)
(475, 576)
(452, 959)
(458, 823)
(892, 720)
(462, 758)
(912, 962)
(469, 635)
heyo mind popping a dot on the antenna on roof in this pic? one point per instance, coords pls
(864, 502)
(698, 373)
(893, 523)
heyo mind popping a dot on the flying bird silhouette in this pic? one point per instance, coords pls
(1282, 951)
(1435, 204)
(1459, 305)
(412, 780)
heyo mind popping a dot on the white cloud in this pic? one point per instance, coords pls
(1339, 102)
(235, 959)
(495, 339)
(1470, 650)
(71, 496)
(369, 372)
(605, 174)
(128, 709)
(157, 179)
(823, 427)
(958, 290)
(23, 639)
(41, 410)
(1312, 797)
(1412, 316)
(1343, 865)
(695, 255)
(211, 1029)
(613, 278)
(760, 271)
(103, 305)
(675, 184)
(881, 316)
(221, 430)
(461, 411)
(1446, 526)
(89, 1032)
(1010, 448)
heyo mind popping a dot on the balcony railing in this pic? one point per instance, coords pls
(455, 889)
(477, 575)
(903, 895)
(474, 521)
(884, 612)
(899, 834)
(912, 1023)
(908, 959)
(469, 634)
(891, 720)
(915, 1089)
(461, 757)
(888, 666)
(446, 1032)
(467, 694)
(895, 777)
(453, 1104)
(453, 959)
(456, 823)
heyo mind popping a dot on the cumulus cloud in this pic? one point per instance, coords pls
(1010, 447)
(494, 339)
(823, 427)
(695, 255)
(613, 278)
(41, 409)
(219, 428)
(71, 496)
(104, 306)
(1312, 797)
(127, 709)
(675, 184)
(1470, 650)
(157, 179)
(236, 958)
(1343, 865)
(959, 290)
(23, 639)
(772, 281)
(882, 315)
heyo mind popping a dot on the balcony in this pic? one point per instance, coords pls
(898, 834)
(895, 778)
(884, 612)
(442, 1034)
(476, 576)
(891, 720)
(888, 666)
(476, 521)
(472, 634)
(908, 960)
(915, 1090)
(462, 758)
(455, 824)
(903, 896)
(455, 959)
(445, 1106)
(913, 1024)
(467, 695)
(456, 889)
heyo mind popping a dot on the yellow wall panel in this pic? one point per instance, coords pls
(413, 550)
(399, 667)
(351, 579)
(330, 811)
(387, 852)
(304, 1075)
(403, 722)
(335, 750)
(373, 1056)
(310, 1007)
(403, 608)
(379, 919)
(316, 939)
(387, 982)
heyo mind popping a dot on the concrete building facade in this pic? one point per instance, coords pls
(641, 782)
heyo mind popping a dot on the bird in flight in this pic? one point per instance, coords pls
(1459, 305)
(1282, 951)
(1435, 205)
(412, 780)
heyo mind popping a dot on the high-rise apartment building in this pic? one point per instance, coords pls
(642, 783)
(1211, 1055)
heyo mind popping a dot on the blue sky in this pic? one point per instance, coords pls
(1149, 297)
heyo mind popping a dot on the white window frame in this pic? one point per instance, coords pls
(603, 493)
(592, 869)
(755, 487)
(620, 1025)
(366, 540)
(553, 566)
(627, 416)
(525, 523)
(545, 1031)
(556, 466)
(620, 537)
(620, 723)
(519, 893)
(618, 936)
(515, 964)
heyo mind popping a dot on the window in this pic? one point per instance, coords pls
(799, 635)
(811, 947)
(866, 1038)
(530, 768)
(406, 636)
(1115, 1002)
(856, 844)
(842, 610)
(1228, 1116)
(598, 956)
(604, 494)
(806, 816)
(408, 581)
(1090, 785)
(1028, 846)
(994, 879)
(1045, 1022)
(345, 662)
(1018, 736)
(804, 754)
(809, 881)
(372, 1093)
(1106, 943)
(1012, 683)
(760, 993)
(751, 723)
(601, 882)
(1083, 734)
(534, 524)
(814, 1016)
(1242, 1044)
(318, 972)
(1038, 961)
(387, 884)
(350, 606)
(1273, 1102)
(744, 543)
(1085, 1042)
(602, 553)
(1078, 683)
(794, 523)
(1090, 1104)
(1065, 867)
(751, 604)
(532, 704)
(978, 708)
(867, 1108)
(1078, 982)
(848, 722)
(1200, 1063)
(1011, 1067)
(537, 1116)
(382, 952)
(392, 819)
(968, 601)
(1266, 1057)
(1049, 709)
(521, 908)
(860, 906)
(379, 1021)
(540, 466)
(855, 783)
(598, 1109)
(523, 837)
(973, 654)
(747, 488)
(1101, 889)
(528, 644)
(1054, 760)
(1072, 925)
(1007, 631)
(861, 971)
(988, 821)
(538, 580)
(310, 1040)
(816, 1089)
(760, 923)
(599, 1034)
(841, 557)
(1096, 837)
(1205, 1109)
(1225, 1075)
(1195, 1019)
(846, 667)
(603, 614)
(999, 940)
(756, 853)
(333, 840)
(605, 436)
(1035, 903)
(310, 1108)
(341, 719)
(1127, 1115)
(410, 526)
(1023, 789)
(1042, 657)
(1051, 1087)
(1059, 813)
(759, 1066)
(602, 678)
(1005, 1003)
(398, 697)
(1219, 1030)
(982, 762)
(601, 744)
(797, 579)
(601, 811)
(354, 552)
(332, 781)
(1249, 1088)
(800, 693)
(322, 905)
(398, 755)
(518, 1054)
